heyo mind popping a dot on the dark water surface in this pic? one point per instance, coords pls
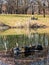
(9, 41)
(25, 38)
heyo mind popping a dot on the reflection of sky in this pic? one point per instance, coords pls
(1, 63)
(3, 1)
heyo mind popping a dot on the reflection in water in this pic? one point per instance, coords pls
(24, 31)
(40, 62)
(44, 61)
(9, 41)
(1, 63)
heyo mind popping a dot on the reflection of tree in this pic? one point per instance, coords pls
(45, 61)
(36, 38)
(7, 42)
(41, 41)
(1, 43)
(48, 39)
(12, 41)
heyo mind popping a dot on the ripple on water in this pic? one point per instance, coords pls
(1, 63)
(41, 62)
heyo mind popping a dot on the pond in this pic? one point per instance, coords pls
(40, 62)
(25, 31)
(24, 37)
(2, 63)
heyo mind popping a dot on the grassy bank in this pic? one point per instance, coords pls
(17, 19)
(13, 20)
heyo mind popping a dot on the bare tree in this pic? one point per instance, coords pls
(11, 6)
(24, 6)
(1, 2)
(43, 9)
(17, 5)
(0, 9)
(48, 4)
(21, 6)
(39, 6)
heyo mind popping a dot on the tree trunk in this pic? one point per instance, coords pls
(39, 9)
(17, 7)
(43, 9)
(43, 12)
